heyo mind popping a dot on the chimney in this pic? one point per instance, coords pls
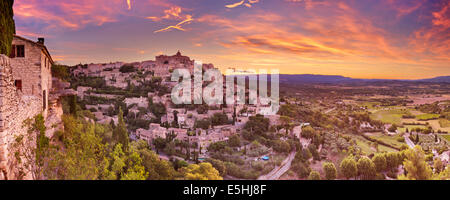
(41, 40)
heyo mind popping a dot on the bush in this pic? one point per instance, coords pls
(127, 68)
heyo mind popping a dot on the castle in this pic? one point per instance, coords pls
(25, 85)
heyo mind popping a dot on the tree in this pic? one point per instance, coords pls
(157, 168)
(286, 122)
(120, 133)
(219, 119)
(380, 162)
(308, 132)
(392, 160)
(7, 26)
(438, 165)
(330, 170)
(219, 165)
(314, 175)
(202, 171)
(366, 168)
(348, 167)
(234, 141)
(416, 166)
(281, 146)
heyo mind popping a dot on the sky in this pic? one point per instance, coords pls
(399, 39)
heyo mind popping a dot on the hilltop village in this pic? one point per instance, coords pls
(142, 90)
(117, 121)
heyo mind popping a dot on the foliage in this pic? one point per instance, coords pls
(202, 171)
(380, 162)
(281, 146)
(7, 26)
(330, 170)
(61, 72)
(120, 133)
(348, 167)
(234, 141)
(314, 175)
(366, 168)
(219, 119)
(308, 132)
(219, 165)
(416, 166)
(257, 125)
(127, 68)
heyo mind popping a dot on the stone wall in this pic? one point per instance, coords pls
(15, 107)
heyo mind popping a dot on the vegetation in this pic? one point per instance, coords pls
(7, 26)
(330, 170)
(348, 168)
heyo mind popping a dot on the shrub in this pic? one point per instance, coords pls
(127, 68)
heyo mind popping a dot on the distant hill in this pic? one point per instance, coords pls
(440, 79)
(314, 78)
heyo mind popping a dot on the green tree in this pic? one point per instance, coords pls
(7, 26)
(392, 160)
(366, 168)
(330, 170)
(234, 141)
(120, 133)
(202, 171)
(308, 132)
(380, 162)
(416, 166)
(314, 175)
(348, 167)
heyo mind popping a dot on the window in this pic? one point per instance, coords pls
(20, 51)
(18, 84)
(13, 52)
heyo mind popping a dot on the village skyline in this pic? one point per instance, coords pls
(358, 39)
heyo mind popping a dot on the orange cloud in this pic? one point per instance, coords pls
(240, 3)
(177, 26)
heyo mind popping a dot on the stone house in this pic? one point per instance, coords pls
(31, 68)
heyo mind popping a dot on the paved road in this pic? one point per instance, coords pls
(408, 141)
(276, 173)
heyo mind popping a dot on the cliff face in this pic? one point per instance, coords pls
(15, 108)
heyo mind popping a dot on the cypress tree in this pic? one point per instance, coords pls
(7, 26)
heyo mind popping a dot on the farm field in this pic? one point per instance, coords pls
(390, 116)
(391, 140)
(425, 117)
(365, 146)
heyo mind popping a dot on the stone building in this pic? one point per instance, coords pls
(31, 68)
(26, 90)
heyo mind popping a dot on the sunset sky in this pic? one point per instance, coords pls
(403, 39)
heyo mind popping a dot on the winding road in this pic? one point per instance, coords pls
(276, 173)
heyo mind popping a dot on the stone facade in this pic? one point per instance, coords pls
(33, 70)
(15, 107)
